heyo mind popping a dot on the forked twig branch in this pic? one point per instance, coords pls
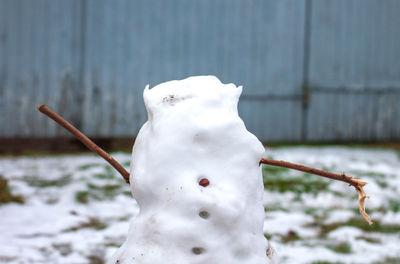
(85, 140)
(356, 183)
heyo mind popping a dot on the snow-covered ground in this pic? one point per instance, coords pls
(77, 209)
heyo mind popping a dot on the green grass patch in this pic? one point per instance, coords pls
(279, 180)
(381, 183)
(374, 175)
(290, 236)
(342, 248)
(389, 260)
(272, 207)
(64, 248)
(5, 193)
(82, 197)
(311, 211)
(103, 176)
(325, 262)
(127, 193)
(92, 223)
(110, 170)
(87, 166)
(43, 183)
(371, 240)
(268, 236)
(124, 218)
(394, 205)
(96, 259)
(108, 174)
(112, 244)
(360, 223)
(274, 169)
(99, 192)
(104, 188)
(330, 169)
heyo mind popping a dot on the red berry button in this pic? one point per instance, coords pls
(204, 182)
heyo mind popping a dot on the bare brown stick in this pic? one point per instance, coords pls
(356, 183)
(85, 140)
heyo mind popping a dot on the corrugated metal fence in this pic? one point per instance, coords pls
(312, 70)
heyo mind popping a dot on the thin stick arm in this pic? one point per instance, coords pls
(85, 140)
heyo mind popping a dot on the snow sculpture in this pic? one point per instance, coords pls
(196, 178)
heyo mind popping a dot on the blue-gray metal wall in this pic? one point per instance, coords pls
(312, 70)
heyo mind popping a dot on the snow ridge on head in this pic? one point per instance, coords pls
(208, 89)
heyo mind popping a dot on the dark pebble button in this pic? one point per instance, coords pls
(204, 182)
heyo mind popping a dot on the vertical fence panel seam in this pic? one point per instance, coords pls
(306, 68)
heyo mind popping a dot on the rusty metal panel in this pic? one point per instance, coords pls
(90, 60)
(40, 60)
(354, 116)
(272, 121)
(355, 44)
(255, 43)
(129, 44)
(354, 75)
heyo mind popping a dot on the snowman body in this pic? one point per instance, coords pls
(196, 178)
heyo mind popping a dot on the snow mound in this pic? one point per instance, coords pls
(196, 178)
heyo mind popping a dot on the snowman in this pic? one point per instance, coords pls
(195, 175)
